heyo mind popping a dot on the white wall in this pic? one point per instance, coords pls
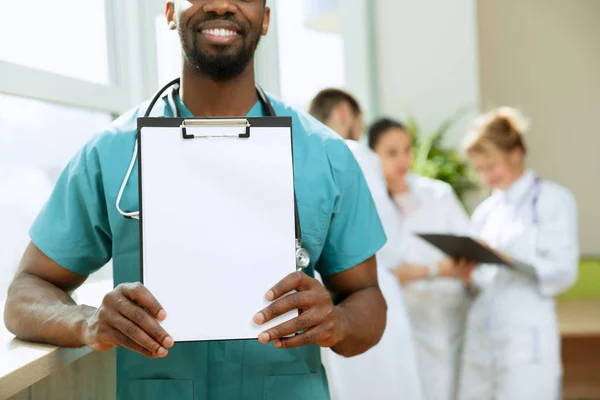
(267, 57)
(548, 64)
(356, 28)
(427, 59)
(309, 60)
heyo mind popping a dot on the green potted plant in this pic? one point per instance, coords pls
(433, 160)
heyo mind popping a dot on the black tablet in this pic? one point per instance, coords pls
(463, 247)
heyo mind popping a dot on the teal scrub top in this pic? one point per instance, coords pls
(80, 229)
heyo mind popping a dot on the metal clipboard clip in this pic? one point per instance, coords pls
(215, 128)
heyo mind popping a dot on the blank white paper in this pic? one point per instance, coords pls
(218, 228)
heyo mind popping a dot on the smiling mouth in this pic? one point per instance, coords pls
(219, 32)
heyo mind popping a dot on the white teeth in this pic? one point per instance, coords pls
(220, 32)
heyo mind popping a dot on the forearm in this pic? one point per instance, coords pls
(524, 268)
(408, 273)
(362, 320)
(519, 265)
(38, 311)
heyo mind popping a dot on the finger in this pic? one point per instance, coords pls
(145, 321)
(294, 301)
(141, 295)
(136, 335)
(294, 281)
(308, 337)
(302, 322)
(483, 243)
(464, 263)
(122, 341)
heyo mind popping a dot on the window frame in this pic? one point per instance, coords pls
(129, 49)
(132, 53)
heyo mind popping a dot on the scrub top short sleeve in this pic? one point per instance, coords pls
(355, 233)
(72, 228)
(80, 228)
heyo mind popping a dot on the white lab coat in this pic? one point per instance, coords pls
(512, 344)
(437, 307)
(388, 370)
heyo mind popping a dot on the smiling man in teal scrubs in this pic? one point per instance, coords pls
(79, 230)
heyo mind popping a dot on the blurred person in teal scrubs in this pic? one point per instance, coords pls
(80, 229)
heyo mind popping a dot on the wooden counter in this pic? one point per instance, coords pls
(35, 372)
(23, 364)
(579, 317)
(580, 328)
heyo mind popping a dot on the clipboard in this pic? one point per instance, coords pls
(217, 221)
(463, 247)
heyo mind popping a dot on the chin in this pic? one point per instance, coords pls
(218, 51)
(499, 186)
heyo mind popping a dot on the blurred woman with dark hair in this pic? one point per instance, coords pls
(434, 291)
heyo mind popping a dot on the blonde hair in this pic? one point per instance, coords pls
(501, 129)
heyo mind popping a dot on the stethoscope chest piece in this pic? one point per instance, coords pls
(302, 258)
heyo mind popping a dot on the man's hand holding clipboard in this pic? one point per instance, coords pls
(319, 323)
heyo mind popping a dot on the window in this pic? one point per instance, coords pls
(37, 140)
(66, 37)
(94, 55)
(309, 60)
(168, 51)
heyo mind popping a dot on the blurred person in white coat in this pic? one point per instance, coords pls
(388, 370)
(512, 345)
(436, 296)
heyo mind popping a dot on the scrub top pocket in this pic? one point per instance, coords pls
(295, 387)
(157, 389)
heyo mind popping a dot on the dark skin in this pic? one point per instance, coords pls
(39, 309)
(202, 95)
(348, 314)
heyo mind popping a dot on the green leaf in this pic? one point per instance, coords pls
(432, 160)
(413, 129)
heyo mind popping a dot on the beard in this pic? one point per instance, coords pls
(220, 63)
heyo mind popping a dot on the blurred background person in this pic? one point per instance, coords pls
(389, 370)
(512, 344)
(436, 297)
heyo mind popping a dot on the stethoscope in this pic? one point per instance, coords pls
(531, 197)
(533, 193)
(302, 255)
